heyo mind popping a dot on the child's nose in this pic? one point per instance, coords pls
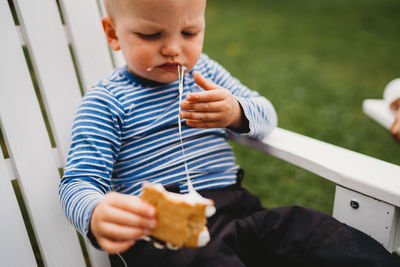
(171, 49)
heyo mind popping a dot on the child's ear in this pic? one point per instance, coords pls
(109, 30)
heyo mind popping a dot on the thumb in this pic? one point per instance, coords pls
(203, 82)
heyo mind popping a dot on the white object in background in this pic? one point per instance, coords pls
(378, 109)
(392, 91)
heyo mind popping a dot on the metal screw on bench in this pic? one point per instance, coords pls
(354, 203)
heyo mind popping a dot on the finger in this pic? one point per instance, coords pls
(201, 116)
(203, 82)
(393, 128)
(201, 124)
(127, 218)
(121, 233)
(396, 135)
(112, 246)
(207, 96)
(132, 204)
(203, 106)
(395, 104)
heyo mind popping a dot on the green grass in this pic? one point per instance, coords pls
(316, 60)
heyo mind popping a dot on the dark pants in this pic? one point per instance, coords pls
(245, 234)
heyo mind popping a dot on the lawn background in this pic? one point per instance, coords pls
(316, 61)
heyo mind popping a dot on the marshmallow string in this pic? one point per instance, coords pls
(122, 259)
(181, 71)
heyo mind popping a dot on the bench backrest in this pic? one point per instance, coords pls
(50, 52)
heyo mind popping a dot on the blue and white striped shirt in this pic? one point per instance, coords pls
(126, 132)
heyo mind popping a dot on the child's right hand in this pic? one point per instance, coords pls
(119, 220)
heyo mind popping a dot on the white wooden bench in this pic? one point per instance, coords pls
(35, 150)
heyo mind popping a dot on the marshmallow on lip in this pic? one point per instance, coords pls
(168, 67)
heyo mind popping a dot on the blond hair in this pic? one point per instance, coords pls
(112, 6)
(108, 6)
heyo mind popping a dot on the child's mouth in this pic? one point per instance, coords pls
(169, 67)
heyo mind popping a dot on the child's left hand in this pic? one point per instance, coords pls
(216, 107)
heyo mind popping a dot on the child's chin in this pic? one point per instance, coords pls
(166, 77)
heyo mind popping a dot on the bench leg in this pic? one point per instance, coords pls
(377, 218)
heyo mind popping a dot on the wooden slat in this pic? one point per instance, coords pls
(53, 65)
(15, 249)
(378, 109)
(20, 35)
(88, 41)
(358, 172)
(94, 62)
(31, 151)
(118, 58)
(10, 170)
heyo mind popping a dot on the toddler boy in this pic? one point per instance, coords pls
(126, 132)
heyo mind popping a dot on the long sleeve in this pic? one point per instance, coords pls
(95, 145)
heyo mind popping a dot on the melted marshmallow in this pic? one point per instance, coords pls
(181, 71)
(191, 198)
(203, 238)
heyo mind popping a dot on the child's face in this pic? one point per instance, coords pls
(157, 35)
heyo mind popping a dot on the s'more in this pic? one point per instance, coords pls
(181, 218)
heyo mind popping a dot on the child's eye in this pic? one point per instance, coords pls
(188, 34)
(149, 36)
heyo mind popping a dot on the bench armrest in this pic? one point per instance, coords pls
(355, 171)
